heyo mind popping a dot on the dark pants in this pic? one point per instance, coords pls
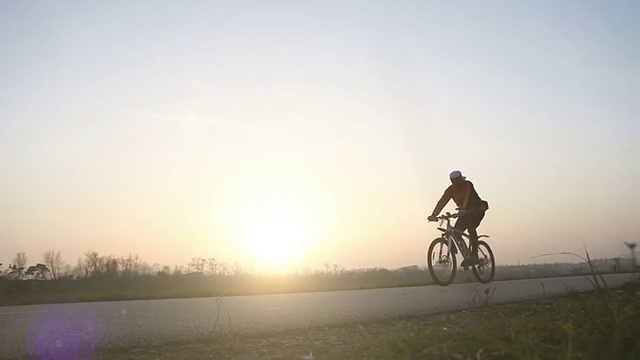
(471, 222)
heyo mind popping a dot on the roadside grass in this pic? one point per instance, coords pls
(598, 325)
(602, 324)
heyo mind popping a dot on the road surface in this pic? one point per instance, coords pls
(79, 329)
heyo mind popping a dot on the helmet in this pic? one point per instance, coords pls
(456, 174)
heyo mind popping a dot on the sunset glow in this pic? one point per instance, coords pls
(287, 135)
(274, 232)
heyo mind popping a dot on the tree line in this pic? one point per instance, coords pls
(92, 264)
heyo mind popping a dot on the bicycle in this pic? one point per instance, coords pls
(441, 255)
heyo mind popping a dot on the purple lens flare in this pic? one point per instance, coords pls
(64, 332)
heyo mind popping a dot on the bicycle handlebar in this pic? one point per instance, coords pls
(446, 216)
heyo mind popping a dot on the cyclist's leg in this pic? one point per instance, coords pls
(461, 225)
(473, 242)
(474, 222)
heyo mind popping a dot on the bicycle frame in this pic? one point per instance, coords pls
(454, 242)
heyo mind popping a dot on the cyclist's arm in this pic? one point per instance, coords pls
(448, 194)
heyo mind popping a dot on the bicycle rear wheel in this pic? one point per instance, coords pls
(441, 262)
(486, 268)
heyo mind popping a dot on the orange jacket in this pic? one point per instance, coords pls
(464, 195)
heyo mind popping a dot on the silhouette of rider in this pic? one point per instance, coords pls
(471, 210)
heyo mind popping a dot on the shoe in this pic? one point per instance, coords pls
(471, 261)
(465, 264)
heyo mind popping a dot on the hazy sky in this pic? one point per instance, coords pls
(323, 129)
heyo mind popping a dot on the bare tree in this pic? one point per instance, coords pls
(67, 271)
(144, 269)
(632, 247)
(212, 266)
(178, 270)
(21, 259)
(126, 266)
(80, 270)
(197, 265)
(238, 269)
(92, 263)
(20, 264)
(53, 260)
(166, 270)
(110, 265)
(223, 269)
(132, 265)
(136, 264)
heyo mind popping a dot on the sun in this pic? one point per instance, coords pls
(274, 239)
(274, 212)
(275, 234)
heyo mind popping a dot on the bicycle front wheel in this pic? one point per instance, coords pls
(441, 262)
(486, 268)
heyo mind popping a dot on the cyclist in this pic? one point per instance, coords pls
(471, 210)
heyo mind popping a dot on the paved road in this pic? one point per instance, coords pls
(78, 329)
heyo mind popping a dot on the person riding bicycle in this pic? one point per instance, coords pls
(471, 210)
